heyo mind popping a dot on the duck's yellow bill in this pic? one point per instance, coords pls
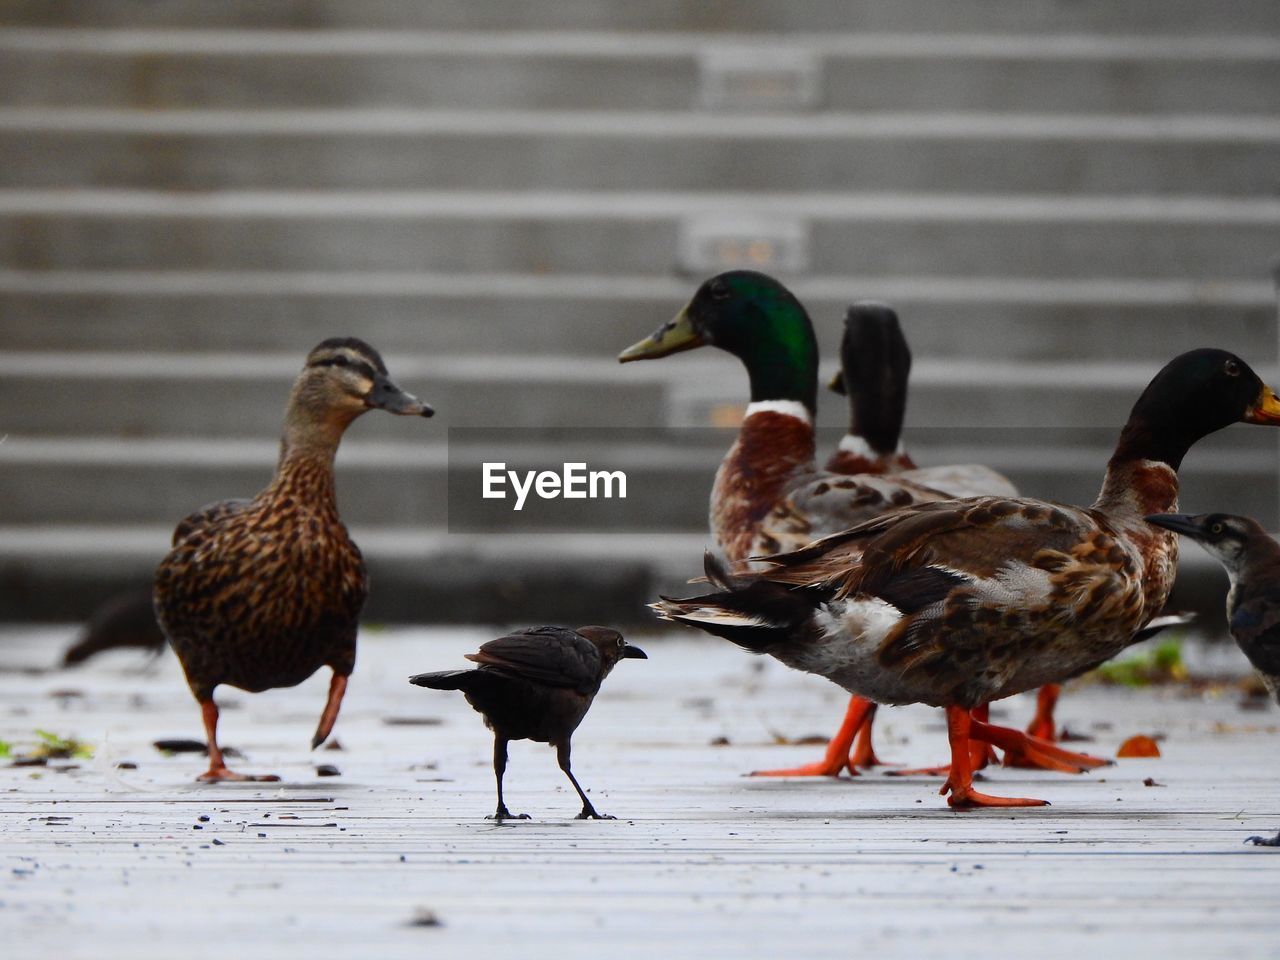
(673, 336)
(1266, 409)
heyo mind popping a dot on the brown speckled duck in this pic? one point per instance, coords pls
(959, 603)
(262, 593)
(875, 368)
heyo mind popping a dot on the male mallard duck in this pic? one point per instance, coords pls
(875, 366)
(768, 494)
(1252, 561)
(261, 593)
(537, 684)
(962, 602)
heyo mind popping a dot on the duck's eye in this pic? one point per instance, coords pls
(719, 290)
(1216, 529)
(1232, 367)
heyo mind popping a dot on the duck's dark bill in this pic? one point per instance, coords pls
(1266, 409)
(673, 336)
(836, 383)
(630, 652)
(385, 395)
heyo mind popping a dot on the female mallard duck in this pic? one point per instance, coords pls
(959, 603)
(768, 494)
(261, 593)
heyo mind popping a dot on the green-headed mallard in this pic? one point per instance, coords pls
(768, 494)
(959, 603)
(261, 593)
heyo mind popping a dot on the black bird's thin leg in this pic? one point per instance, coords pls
(499, 768)
(588, 811)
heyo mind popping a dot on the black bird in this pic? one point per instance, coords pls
(537, 684)
(1252, 560)
(124, 620)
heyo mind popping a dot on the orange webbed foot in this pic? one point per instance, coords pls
(961, 727)
(837, 757)
(969, 799)
(823, 768)
(1024, 751)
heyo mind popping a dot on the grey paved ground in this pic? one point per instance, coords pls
(701, 862)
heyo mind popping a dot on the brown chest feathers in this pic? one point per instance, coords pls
(266, 594)
(772, 452)
(1132, 490)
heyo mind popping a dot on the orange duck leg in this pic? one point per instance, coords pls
(959, 783)
(980, 754)
(864, 752)
(1021, 750)
(218, 771)
(1042, 725)
(837, 758)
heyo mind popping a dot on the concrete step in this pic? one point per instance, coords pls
(584, 315)
(1220, 74)
(1176, 17)
(237, 396)
(528, 150)
(597, 232)
(243, 395)
(410, 486)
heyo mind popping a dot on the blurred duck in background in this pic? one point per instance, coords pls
(125, 621)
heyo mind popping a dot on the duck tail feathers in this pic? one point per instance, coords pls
(752, 612)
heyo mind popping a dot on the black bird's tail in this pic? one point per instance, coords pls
(445, 679)
(755, 613)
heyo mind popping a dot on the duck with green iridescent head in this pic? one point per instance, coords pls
(768, 495)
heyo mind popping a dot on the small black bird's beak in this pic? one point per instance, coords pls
(1182, 523)
(385, 395)
(630, 652)
(836, 383)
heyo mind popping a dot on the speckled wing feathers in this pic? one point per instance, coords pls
(261, 594)
(207, 516)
